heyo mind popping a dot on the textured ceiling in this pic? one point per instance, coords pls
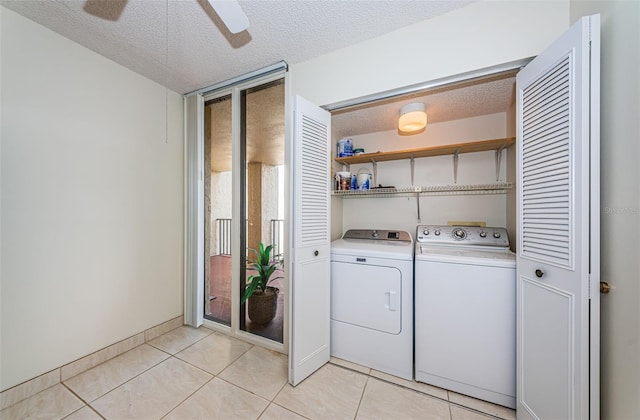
(463, 100)
(182, 44)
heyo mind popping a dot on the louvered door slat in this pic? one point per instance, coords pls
(546, 178)
(314, 212)
(549, 176)
(548, 145)
(550, 109)
(547, 83)
(556, 124)
(555, 160)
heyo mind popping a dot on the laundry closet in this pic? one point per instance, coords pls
(452, 182)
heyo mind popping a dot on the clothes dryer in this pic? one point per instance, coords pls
(372, 300)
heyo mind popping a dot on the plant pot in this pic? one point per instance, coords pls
(263, 305)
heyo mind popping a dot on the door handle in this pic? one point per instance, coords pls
(393, 301)
(605, 289)
(539, 273)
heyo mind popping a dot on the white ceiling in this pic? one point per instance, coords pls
(195, 50)
(182, 44)
(484, 96)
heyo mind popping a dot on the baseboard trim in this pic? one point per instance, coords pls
(32, 386)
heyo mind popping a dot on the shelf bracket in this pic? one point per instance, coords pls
(412, 172)
(346, 167)
(455, 166)
(499, 161)
(418, 204)
(375, 173)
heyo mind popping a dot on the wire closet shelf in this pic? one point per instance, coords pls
(476, 189)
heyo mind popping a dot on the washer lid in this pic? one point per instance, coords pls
(493, 258)
(398, 250)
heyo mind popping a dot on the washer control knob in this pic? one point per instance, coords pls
(437, 232)
(483, 234)
(459, 233)
(496, 235)
(426, 231)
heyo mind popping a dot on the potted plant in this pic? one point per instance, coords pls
(263, 299)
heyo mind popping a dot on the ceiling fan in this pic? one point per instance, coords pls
(231, 14)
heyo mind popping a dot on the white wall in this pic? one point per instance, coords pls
(620, 203)
(92, 198)
(482, 34)
(400, 213)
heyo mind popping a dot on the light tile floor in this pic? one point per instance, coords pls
(192, 373)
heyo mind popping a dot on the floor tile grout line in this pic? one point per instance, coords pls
(86, 404)
(182, 349)
(475, 410)
(248, 390)
(89, 404)
(119, 385)
(170, 356)
(280, 390)
(113, 358)
(364, 389)
(289, 409)
(204, 370)
(263, 410)
(188, 396)
(424, 393)
(236, 359)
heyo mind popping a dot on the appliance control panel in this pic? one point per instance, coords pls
(378, 235)
(463, 235)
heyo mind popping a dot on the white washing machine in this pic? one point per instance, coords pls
(372, 300)
(465, 311)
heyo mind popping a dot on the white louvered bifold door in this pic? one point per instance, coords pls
(546, 176)
(310, 284)
(558, 114)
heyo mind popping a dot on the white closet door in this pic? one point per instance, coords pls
(310, 283)
(558, 235)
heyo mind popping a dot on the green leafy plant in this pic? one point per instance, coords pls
(265, 268)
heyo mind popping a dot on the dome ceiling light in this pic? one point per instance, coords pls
(413, 118)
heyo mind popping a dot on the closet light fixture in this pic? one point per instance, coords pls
(413, 118)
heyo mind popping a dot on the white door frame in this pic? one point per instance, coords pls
(194, 217)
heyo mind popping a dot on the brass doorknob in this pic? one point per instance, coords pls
(605, 288)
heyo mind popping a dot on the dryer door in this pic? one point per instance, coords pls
(366, 295)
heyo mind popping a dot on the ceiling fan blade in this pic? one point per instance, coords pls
(231, 14)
